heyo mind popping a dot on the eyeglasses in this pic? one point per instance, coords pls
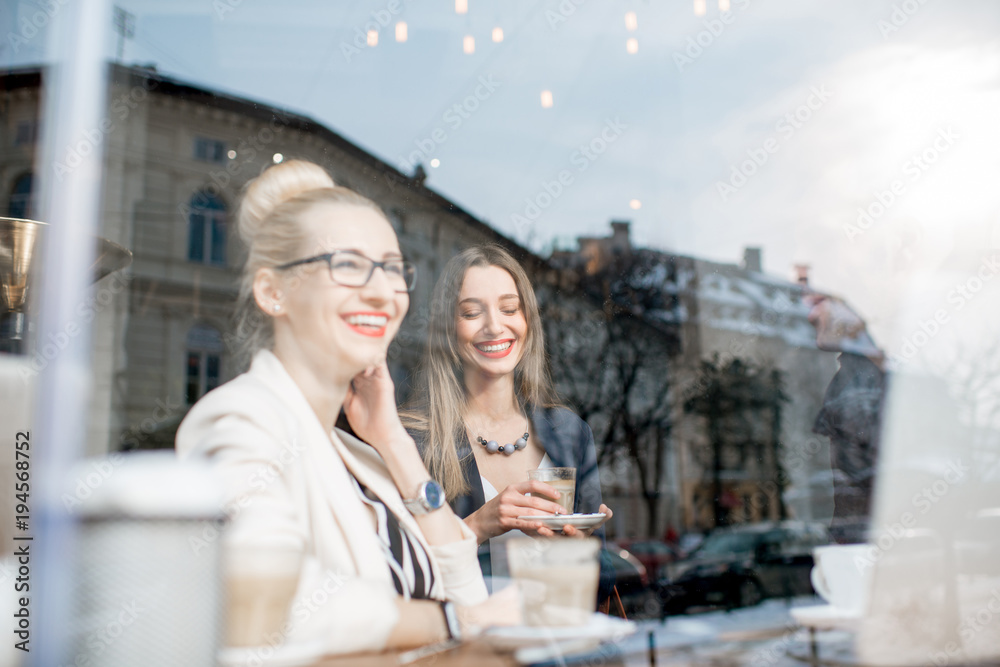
(352, 269)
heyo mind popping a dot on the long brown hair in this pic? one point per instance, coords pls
(440, 400)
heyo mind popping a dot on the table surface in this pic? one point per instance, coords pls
(479, 654)
(474, 653)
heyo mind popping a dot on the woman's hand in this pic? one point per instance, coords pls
(573, 531)
(500, 514)
(370, 406)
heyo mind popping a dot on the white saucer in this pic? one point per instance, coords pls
(600, 628)
(286, 655)
(557, 521)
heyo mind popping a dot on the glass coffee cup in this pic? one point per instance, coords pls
(562, 480)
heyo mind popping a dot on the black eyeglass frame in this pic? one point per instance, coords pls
(328, 258)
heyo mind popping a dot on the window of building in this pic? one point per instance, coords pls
(204, 360)
(20, 197)
(209, 150)
(207, 229)
(26, 132)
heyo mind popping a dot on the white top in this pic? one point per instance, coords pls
(498, 544)
(286, 478)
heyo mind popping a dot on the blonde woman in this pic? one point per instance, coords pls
(486, 413)
(322, 295)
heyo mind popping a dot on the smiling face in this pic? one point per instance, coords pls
(490, 326)
(340, 329)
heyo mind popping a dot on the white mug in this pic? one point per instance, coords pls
(840, 575)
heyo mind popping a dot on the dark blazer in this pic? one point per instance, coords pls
(569, 442)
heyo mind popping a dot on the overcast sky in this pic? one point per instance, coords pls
(831, 100)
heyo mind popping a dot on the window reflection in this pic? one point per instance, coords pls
(19, 205)
(207, 229)
(773, 337)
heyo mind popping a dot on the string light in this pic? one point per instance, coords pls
(461, 6)
(631, 22)
(277, 158)
(632, 45)
(699, 7)
(497, 34)
(401, 31)
(635, 204)
(723, 5)
(469, 44)
(435, 163)
(546, 99)
(373, 38)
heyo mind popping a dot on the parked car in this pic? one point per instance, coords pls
(653, 554)
(740, 566)
(630, 574)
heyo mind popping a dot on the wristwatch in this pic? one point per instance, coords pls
(451, 619)
(430, 497)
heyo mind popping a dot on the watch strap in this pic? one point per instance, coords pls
(451, 621)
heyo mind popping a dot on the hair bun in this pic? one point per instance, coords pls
(275, 186)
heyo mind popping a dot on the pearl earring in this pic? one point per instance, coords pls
(277, 308)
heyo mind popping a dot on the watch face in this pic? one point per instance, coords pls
(434, 494)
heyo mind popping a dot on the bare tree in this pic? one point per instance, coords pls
(610, 360)
(741, 404)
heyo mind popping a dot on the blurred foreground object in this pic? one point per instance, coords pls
(147, 568)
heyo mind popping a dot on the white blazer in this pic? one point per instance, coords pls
(287, 481)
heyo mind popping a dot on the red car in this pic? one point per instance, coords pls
(653, 554)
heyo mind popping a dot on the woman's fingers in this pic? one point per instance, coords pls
(538, 508)
(536, 488)
(606, 510)
(513, 496)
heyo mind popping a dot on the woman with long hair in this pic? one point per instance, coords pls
(486, 413)
(387, 564)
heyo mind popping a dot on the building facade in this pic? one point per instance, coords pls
(176, 158)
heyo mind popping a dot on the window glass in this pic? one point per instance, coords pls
(20, 197)
(763, 236)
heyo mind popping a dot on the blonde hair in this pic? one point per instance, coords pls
(270, 224)
(439, 410)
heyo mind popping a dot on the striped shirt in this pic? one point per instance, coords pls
(408, 561)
